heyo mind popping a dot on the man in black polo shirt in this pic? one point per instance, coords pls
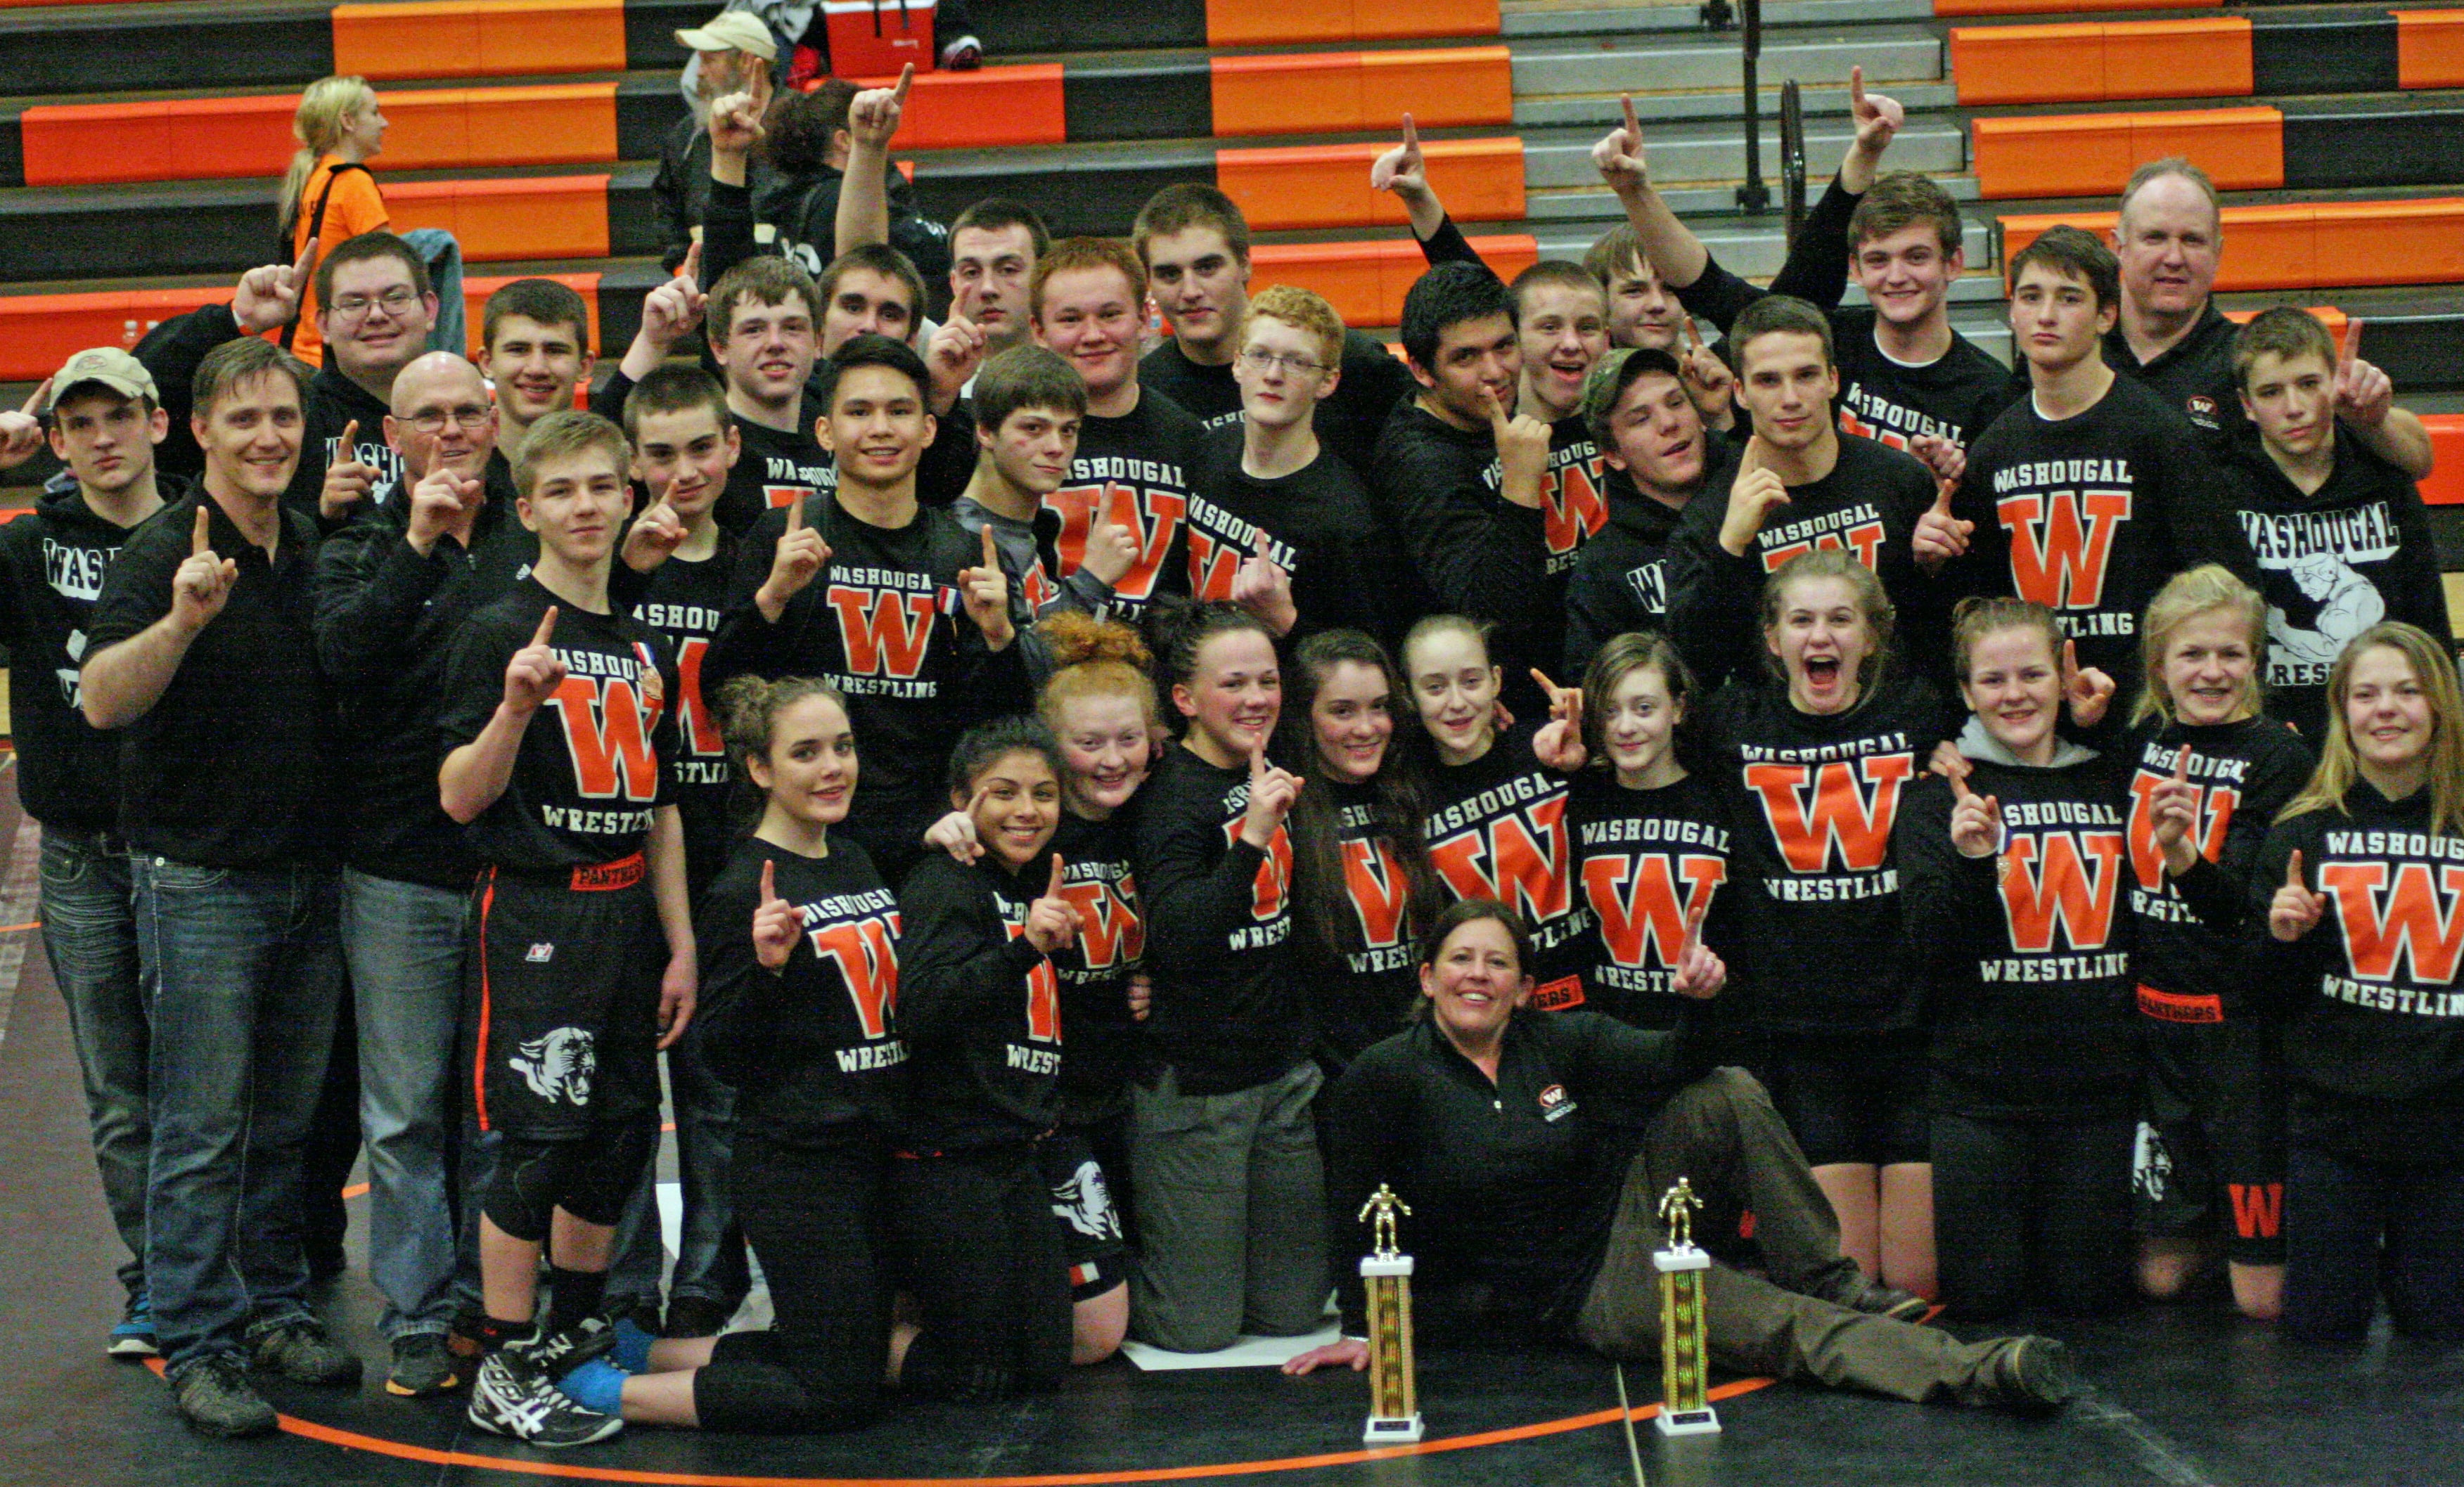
(201, 647)
(2170, 336)
(104, 426)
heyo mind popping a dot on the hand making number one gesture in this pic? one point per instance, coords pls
(1052, 921)
(1975, 821)
(776, 923)
(1271, 793)
(2296, 910)
(534, 673)
(984, 589)
(203, 582)
(1698, 972)
(800, 555)
(1559, 743)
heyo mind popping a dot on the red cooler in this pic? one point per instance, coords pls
(874, 38)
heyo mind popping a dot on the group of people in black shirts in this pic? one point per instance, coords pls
(1076, 822)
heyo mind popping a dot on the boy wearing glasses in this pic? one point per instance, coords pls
(1282, 527)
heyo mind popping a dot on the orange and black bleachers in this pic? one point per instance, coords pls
(2258, 53)
(2301, 145)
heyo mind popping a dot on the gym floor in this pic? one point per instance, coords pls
(2183, 1395)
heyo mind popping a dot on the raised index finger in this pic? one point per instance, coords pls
(2349, 344)
(1942, 486)
(1554, 690)
(1857, 90)
(201, 547)
(1632, 125)
(992, 553)
(906, 79)
(305, 264)
(769, 880)
(796, 516)
(1411, 134)
(41, 400)
(2182, 766)
(546, 626)
(2293, 872)
(1053, 889)
(350, 444)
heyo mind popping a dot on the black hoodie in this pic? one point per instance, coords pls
(2332, 564)
(2373, 1021)
(1620, 579)
(52, 564)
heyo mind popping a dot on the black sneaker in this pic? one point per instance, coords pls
(298, 1350)
(2033, 1376)
(1888, 1300)
(422, 1364)
(516, 1393)
(697, 1316)
(215, 1399)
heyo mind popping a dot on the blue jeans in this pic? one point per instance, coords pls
(710, 1246)
(2337, 1211)
(90, 937)
(243, 969)
(404, 942)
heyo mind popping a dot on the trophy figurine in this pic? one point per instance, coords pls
(1685, 1338)
(1394, 1415)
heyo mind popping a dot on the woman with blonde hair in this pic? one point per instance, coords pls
(2209, 1164)
(2362, 874)
(329, 195)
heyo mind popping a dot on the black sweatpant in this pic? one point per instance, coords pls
(818, 1220)
(2032, 1212)
(985, 1263)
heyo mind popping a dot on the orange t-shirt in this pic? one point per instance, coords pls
(355, 207)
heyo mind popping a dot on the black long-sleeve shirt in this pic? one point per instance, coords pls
(52, 567)
(1347, 419)
(1868, 504)
(1362, 970)
(1228, 1011)
(2192, 930)
(812, 1048)
(883, 623)
(1813, 799)
(1136, 472)
(2025, 955)
(979, 1005)
(1319, 526)
(1099, 877)
(1511, 1184)
(2090, 516)
(1497, 829)
(684, 602)
(2373, 1021)
(1643, 861)
(2332, 564)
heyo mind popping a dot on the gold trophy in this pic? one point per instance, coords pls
(1394, 1414)
(1684, 1335)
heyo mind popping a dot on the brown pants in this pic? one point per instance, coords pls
(1723, 1135)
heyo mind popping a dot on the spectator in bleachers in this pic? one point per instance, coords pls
(726, 51)
(808, 148)
(2171, 336)
(331, 196)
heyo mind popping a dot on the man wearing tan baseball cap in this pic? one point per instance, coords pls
(104, 423)
(726, 52)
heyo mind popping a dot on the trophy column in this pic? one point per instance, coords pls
(1684, 1336)
(1394, 1413)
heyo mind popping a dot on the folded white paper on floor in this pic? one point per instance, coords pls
(1250, 1352)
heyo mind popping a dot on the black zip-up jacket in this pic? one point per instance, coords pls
(980, 1007)
(171, 352)
(51, 564)
(813, 1048)
(387, 624)
(2026, 954)
(2191, 930)
(2332, 564)
(2374, 1021)
(1511, 1184)
(1228, 1011)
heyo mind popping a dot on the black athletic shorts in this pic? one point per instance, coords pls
(2210, 1154)
(560, 999)
(1852, 1098)
(1081, 1204)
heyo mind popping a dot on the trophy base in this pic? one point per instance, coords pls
(1392, 1431)
(1705, 1421)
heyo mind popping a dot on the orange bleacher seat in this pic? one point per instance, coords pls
(1247, 23)
(979, 110)
(2063, 7)
(2430, 49)
(2091, 154)
(2445, 485)
(38, 332)
(1327, 186)
(432, 129)
(2091, 60)
(1333, 91)
(2312, 245)
(479, 38)
(1366, 281)
(516, 217)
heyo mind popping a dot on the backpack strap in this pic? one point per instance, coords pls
(316, 229)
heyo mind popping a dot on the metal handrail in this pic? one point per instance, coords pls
(1792, 156)
(1753, 195)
